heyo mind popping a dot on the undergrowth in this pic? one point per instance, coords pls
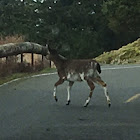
(10, 68)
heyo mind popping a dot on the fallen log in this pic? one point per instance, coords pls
(19, 48)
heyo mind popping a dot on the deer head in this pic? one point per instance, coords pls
(51, 54)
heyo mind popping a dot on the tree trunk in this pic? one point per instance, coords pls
(19, 48)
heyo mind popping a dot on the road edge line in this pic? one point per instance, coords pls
(118, 68)
(131, 99)
(27, 77)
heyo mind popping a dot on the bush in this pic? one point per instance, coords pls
(11, 39)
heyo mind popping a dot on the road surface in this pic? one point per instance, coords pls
(28, 110)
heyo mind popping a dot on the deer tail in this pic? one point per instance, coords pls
(98, 68)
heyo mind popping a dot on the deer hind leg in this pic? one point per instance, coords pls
(104, 85)
(59, 82)
(69, 92)
(91, 85)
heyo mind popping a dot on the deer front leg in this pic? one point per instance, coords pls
(69, 91)
(59, 82)
(91, 85)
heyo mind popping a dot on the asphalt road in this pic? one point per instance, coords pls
(28, 110)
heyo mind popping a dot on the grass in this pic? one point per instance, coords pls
(127, 54)
(21, 75)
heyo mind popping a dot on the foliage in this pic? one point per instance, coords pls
(123, 19)
(11, 39)
(77, 28)
(127, 54)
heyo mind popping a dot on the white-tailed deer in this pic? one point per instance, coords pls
(77, 70)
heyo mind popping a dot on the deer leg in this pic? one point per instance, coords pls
(104, 85)
(91, 85)
(69, 91)
(59, 82)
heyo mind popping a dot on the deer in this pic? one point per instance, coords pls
(73, 70)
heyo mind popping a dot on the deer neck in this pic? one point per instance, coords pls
(58, 63)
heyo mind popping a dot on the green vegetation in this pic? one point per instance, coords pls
(127, 54)
(77, 28)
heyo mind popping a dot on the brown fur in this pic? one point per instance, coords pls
(77, 70)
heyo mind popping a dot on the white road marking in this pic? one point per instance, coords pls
(10, 82)
(113, 68)
(45, 74)
(133, 98)
(118, 68)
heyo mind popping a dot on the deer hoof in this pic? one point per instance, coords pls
(85, 105)
(55, 98)
(109, 105)
(68, 102)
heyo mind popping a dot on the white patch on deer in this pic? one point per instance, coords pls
(91, 64)
(54, 92)
(68, 76)
(63, 77)
(68, 90)
(87, 101)
(106, 94)
(82, 76)
(90, 72)
(72, 77)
